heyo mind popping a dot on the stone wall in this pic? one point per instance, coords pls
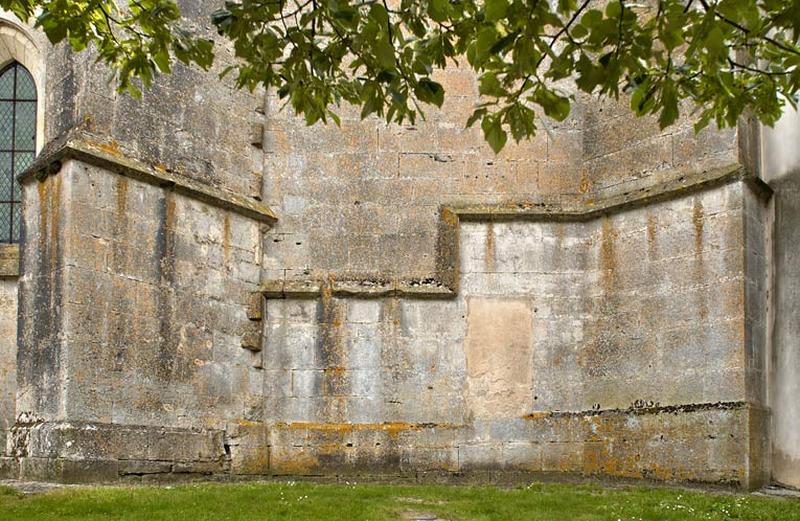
(363, 199)
(589, 302)
(613, 346)
(8, 357)
(189, 122)
(133, 310)
(781, 168)
(18, 42)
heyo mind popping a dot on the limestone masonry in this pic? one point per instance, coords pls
(205, 287)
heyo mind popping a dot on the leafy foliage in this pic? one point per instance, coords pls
(138, 40)
(724, 57)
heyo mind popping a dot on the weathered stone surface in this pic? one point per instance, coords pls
(9, 261)
(8, 358)
(781, 163)
(590, 302)
(498, 348)
(632, 321)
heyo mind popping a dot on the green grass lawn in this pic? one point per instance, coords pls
(306, 501)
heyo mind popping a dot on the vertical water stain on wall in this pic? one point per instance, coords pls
(118, 320)
(165, 247)
(652, 225)
(601, 353)
(331, 351)
(490, 250)
(698, 222)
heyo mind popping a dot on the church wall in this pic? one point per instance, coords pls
(8, 357)
(614, 346)
(132, 355)
(781, 168)
(419, 317)
(381, 186)
(189, 122)
(18, 42)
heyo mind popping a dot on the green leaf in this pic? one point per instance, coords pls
(54, 30)
(714, 42)
(379, 13)
(493, 133)
(476, 115)
(383, 60)
(591, 18)
(669, 105)
(438, 10)
(495, 9)
(484, 43)
(489, 85)
(161, 59)
(579, 31)
(555, 106)
(384, 53)
(430, 92)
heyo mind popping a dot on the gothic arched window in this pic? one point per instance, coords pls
(17, 143)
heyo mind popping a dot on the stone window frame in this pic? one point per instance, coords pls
(18, 43)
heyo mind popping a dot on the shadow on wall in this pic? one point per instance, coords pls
(780, 164)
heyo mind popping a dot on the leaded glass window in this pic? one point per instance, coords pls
(17, 143)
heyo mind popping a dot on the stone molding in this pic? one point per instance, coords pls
(83, 147)
(444, 282)
(9, 261)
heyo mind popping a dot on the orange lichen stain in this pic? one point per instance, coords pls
(296, 464)
(589, 202)
(538, 415)
(603, 462)
(122, 194)
(585, 185)
(608, 258)
(651, 234)
(327, 289)
(662, 473)
(335, 371)
(54, 219)
(391, 428)
(42, 189)
(449, 217)
(328, 449)
(256, 464)
(226, 239)
(171, 212)
(161, 168)
(149, 402)
(698, 219)
(112, 147)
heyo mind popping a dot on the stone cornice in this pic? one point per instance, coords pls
(83, 147)
(444, 282)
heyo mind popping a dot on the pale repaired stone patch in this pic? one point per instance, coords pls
(499, 357)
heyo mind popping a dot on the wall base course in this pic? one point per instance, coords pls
(675, 444)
